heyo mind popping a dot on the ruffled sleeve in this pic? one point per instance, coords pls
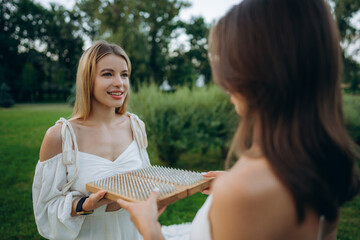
(52, 207)
(138, 128)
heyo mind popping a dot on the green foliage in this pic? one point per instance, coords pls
(143, 28)
(194, 119)
(23, 127)
(344, 11)
(21, 131)
(183, 210)
(351, 75)
(6, 99)
(352, 115)
(71, 99)
(348, 228)
(186, 65)
(39, 48)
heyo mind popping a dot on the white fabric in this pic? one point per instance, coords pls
(62, 178)
(177, 232)
(200, 228)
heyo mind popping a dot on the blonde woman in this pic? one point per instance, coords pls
(101, 139)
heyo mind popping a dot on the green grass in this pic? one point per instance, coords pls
(21, 131)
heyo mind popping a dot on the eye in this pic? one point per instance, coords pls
(124, 75)
(107, 74)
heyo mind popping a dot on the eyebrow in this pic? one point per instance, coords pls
(107, 70)
(111, 70)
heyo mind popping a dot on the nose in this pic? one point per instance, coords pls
(118, 81)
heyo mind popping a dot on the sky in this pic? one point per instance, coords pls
(210, 9)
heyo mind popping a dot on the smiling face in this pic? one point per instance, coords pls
(111, 83)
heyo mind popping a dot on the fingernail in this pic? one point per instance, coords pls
(203, 173)
(156, 189)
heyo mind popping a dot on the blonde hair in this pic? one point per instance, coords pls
(86, 74)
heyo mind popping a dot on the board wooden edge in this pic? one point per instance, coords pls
(180, 193)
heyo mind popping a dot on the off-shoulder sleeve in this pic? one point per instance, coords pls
(52, 208)
(138, 128)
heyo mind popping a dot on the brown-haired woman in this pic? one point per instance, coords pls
(280, 62)
(101, 139)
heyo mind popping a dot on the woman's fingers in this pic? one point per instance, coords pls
(95, 200)
(213, 174)
(144, 214)
(206, 191)
(154, 195)
(124, 204)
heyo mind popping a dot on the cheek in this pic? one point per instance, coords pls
(232, 100)
(240, 108)
(239, 105)
(127, 83)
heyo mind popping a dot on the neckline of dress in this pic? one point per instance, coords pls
(121, 154)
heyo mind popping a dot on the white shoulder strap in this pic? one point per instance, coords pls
(321, 228)
(68, 141)
(138, 129)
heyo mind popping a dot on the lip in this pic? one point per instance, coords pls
(116, 94)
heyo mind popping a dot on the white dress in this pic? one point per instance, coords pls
(200, 228)
(62, 178)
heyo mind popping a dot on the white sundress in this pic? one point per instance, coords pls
(62, 178)
(200, 228)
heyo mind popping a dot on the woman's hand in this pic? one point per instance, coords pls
(95, 200)
(214, 174)
(145, 216)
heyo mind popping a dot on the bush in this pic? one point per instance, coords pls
(352, 115)
(6, 99)
(187, 120)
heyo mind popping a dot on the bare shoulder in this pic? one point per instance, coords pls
(251, 203)
(52, 143)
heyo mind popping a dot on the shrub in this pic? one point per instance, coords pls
(194, 119)
(352, 115)
(199, 119)
(6, 99)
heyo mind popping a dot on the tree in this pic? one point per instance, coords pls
(6, 99)
(64, 45)
(32, 40)
(344, 11)
(19, 27)
(143, 28)
(181, 70)
(29, 81)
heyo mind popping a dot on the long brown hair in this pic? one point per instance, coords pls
(86, 74)
(284, 58)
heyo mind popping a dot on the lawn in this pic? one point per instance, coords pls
(21, 131)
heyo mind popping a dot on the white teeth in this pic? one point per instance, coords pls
(116, 93)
